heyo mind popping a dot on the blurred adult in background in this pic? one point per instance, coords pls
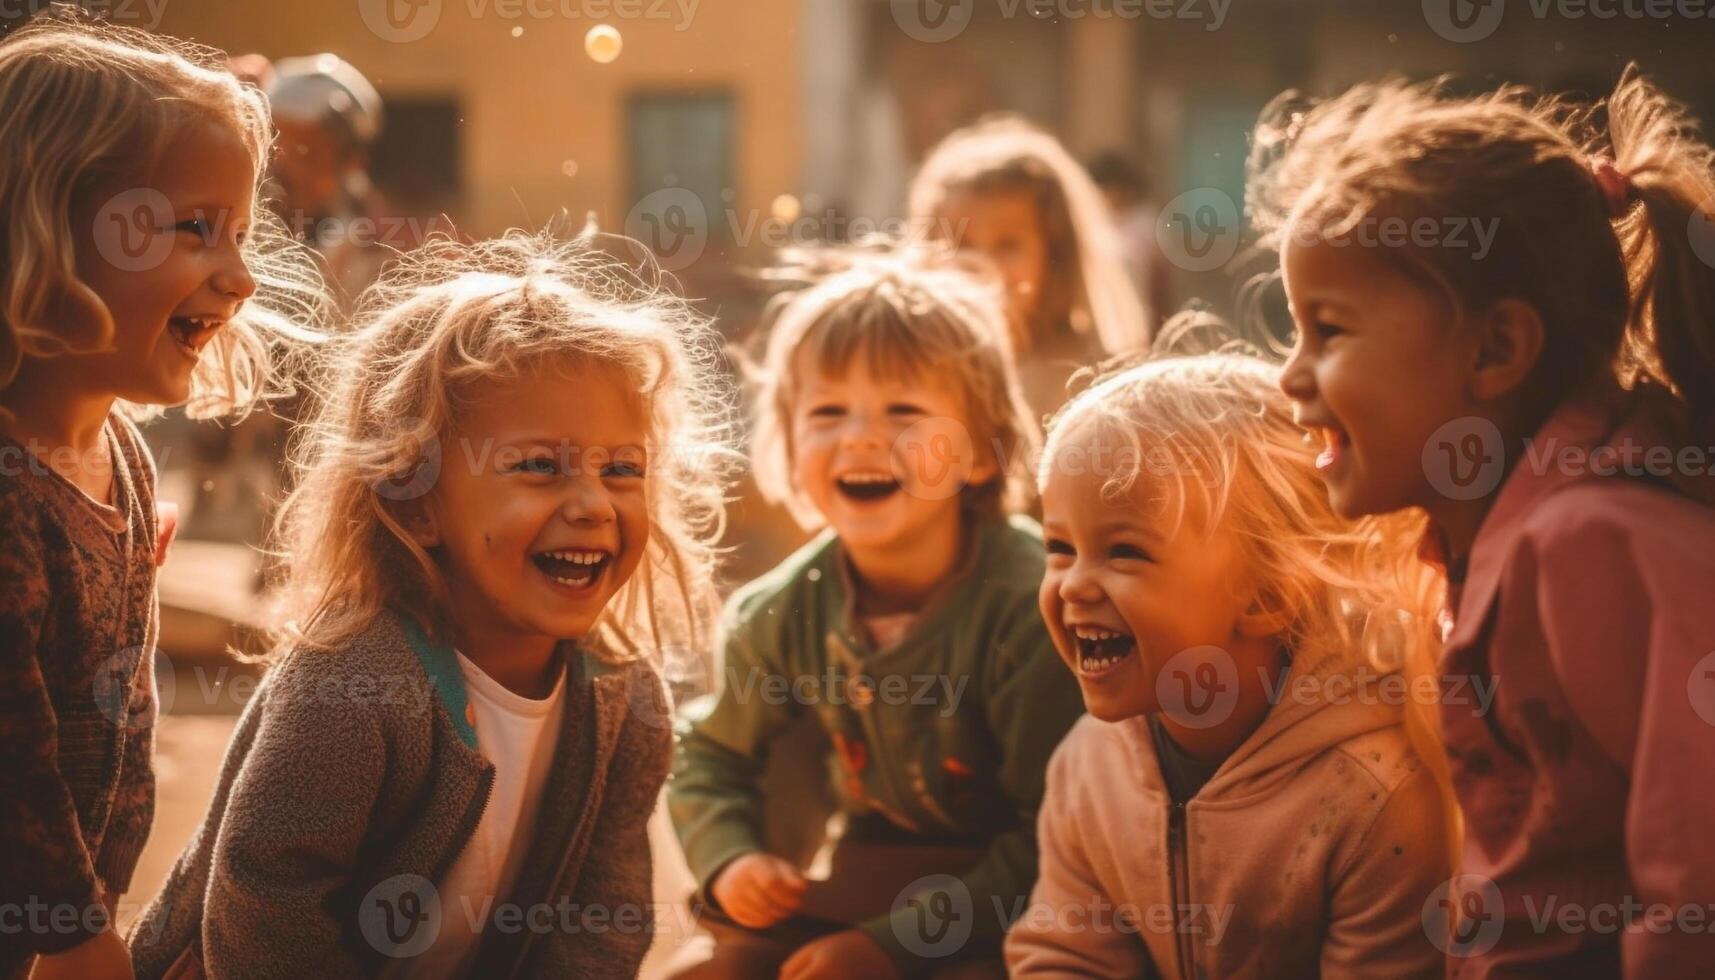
(327, 115)
(1135, 211)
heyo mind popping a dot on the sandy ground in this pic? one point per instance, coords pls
(188, 751)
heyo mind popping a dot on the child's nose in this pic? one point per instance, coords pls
(1078, 586)
(587, 501)
(864, 432)
(232, 278)
(1297, 379)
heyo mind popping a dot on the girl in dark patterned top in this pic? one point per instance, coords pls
(128, 175)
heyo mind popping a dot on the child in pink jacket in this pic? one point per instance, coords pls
(1244, 799)
(1538, 376)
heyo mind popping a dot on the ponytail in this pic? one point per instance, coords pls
(1669, 243)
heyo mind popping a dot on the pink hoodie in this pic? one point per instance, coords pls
(1589, 788)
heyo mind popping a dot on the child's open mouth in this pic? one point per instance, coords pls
(191, 333)
(868, 486)
(1334, 444)
(1100, 650)
(575, 568)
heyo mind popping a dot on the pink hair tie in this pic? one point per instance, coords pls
(1616, 186)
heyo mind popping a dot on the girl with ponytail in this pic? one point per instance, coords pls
(1505, 313)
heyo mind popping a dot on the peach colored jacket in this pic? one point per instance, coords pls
(1309, 853)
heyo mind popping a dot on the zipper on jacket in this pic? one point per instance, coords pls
(1179, 874)
(467, 829)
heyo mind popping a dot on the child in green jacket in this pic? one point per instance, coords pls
(889, 413)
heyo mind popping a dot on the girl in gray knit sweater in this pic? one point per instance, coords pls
(503, 529)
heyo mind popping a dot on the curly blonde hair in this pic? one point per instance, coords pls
(447, 318)
(1088, 286)
(91, 106)
(910, 312)
(1352, 592)
(1595, 225)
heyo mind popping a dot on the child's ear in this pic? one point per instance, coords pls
(1509, 346)
(1261, 619)
(418, 518)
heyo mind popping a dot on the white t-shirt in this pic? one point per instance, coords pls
(518, 736)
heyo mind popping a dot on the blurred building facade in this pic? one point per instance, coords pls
(791, 119)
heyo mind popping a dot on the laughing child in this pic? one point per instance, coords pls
(503, 523)
(888, 414)
(1244, 799)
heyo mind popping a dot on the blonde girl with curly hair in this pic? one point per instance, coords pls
(137, 270)
(502, 535)
(1248, 795)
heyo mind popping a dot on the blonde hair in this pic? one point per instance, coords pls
(1353, 593)
(1612, 270)
(1088, 285)
(449, 318)
(89, 106)
(910, 313)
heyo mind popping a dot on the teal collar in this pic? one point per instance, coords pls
(442, 666)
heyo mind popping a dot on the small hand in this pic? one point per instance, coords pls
(758, 890)
(101, 957)
(844, 954)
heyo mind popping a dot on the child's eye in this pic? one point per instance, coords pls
(1130, 552)
(200, 227)
(905, 408)
(1056, 546)
(539, 466)
(622, 468)
(1327, 331)
(827, 412)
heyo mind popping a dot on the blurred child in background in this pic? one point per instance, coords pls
(888, 415)
(1546, 395)
(1245, 764)
(503, 526)
(134, 246)
(1010, 192)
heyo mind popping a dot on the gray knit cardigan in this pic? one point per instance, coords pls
(353, 781)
